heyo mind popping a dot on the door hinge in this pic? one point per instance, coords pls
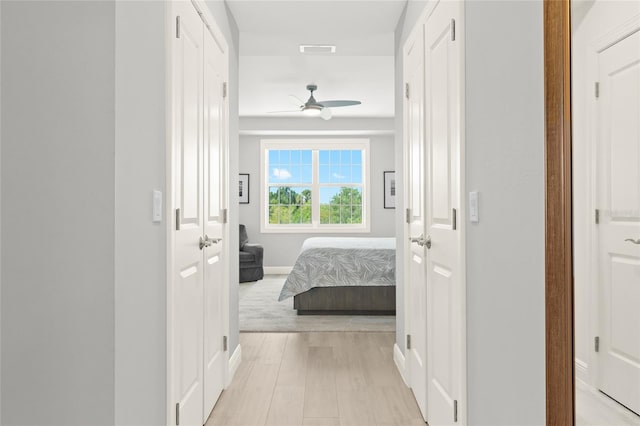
(596, 343)
(408, 215)
(453, 29)
(597, 89)
(455, 411)
(177, 414)
(454, 219)
(597, 216)
(224, 214)
(177, 26)
(224, 90)
(408, 341)
(224, 343)
(406, 90)
(177, 219)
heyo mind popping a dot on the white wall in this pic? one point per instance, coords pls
(58, 212)
(84, 318)
(283, 249)
(140, 245)
(591, 20)
(505, 251)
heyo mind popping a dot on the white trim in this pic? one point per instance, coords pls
(582, 371)
(234, 363)
(398, 359)
(277, 270)
(624, 30)
(315, 145)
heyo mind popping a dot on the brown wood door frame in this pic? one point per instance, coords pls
(560, 365)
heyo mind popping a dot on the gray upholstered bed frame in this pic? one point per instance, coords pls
(366, 300)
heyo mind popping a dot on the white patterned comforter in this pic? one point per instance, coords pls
(340, 262)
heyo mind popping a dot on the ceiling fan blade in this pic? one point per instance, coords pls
(334, 104)
(325, 113)
(278, 112)
(294, 100)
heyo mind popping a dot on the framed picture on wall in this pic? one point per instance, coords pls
(389, 190)
(243, 188)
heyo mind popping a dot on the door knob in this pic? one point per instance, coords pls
(631, 240)
(203, 242)
(422, 241)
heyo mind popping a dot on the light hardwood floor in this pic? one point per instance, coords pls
(316, 379)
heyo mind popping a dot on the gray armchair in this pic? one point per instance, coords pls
(250, 258)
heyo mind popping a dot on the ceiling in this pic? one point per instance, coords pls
(271, 66)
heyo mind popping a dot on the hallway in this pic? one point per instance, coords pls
(316, 379)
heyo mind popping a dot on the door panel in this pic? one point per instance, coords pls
(214, 202)
(619, 202)
(189, 268)
(416, 278)
(443, 109)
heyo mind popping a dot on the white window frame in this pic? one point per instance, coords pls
(315, 145)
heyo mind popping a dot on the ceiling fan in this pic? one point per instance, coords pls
(316, 108)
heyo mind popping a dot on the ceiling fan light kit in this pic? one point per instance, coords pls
(317, 108)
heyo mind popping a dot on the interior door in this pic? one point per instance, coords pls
(188, 177)
(619, 227)
(215, 254)
(443, 143)
(415, 230)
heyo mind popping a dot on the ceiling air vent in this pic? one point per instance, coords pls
(317, 48)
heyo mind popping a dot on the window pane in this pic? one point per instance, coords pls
(336, 177)
(335, 157)
(307, 157)
(285, 156)
(356, 174)
(325, 173)
(295, 157)
(289, 205)
(274, 156)
(306, 174)
(295, 174)
(356, 214)
(356, 157)
(340, 205)
(324, 157)
(345, 157)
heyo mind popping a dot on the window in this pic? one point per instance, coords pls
(315, 185)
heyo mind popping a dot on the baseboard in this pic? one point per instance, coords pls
(399, 359)
(277, 270)
(582, 370)
(234, 363)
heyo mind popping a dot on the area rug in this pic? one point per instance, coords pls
(261, 311)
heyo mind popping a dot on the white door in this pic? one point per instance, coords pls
(415, 229)
(443, 145)
(619, 227)
(215, 148)
(188, 177)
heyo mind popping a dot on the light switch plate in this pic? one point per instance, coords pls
(474, 213)
(157, 206)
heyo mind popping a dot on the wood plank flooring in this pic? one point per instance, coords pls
(316, 379)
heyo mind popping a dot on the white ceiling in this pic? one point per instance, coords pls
(271, 66)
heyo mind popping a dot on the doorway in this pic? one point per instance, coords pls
(592, 104)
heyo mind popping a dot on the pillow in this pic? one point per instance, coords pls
(244, 238)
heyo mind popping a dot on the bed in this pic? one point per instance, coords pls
(343, 276)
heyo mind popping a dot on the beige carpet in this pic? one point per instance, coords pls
(261, 311)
